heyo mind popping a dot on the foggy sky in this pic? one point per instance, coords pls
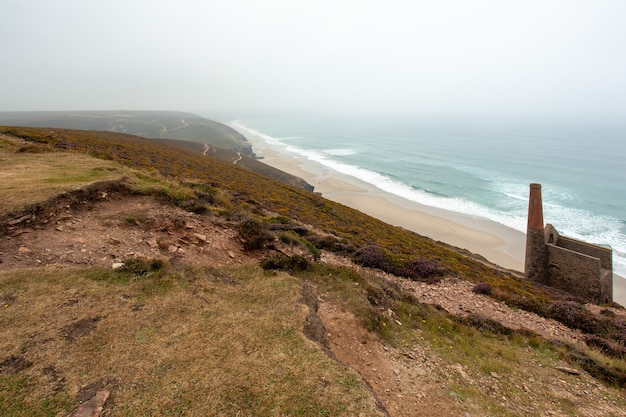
(450, 56)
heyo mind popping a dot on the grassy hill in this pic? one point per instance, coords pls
(233, 293)
(147, 124)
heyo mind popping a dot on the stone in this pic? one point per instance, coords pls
(24, 249)
(19, 220)
(93, 407)
(566, 370)
(200, 237)
(117, 265)
(172, 249)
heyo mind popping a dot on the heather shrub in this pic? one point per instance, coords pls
(290, 264)
(299, 230)
(373, 257)
(289, 238)
(482, 288)
(418, 269)
(607, 347)
(602, 371)
(531, 304)
(332, 244)
(315, 252)
(574, 315)
(486, 324)
(254, 233)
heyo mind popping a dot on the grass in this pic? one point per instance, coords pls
(203, 347)
(524, 364)
(240, 189)
(186, 341)
(56, 172)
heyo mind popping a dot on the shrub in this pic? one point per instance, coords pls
(143, 266)
(254, 233)
(601, 371)
(605, 346)
(373, 257)
(289, 238)
(291, 264)
(482, 288)
(574, 315)
(417, 269)
(486, 324)
(332, 244)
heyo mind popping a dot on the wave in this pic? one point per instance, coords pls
(340, 152)
(508, 204)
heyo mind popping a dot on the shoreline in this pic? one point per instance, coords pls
(499, 244)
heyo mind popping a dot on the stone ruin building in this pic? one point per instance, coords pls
(580, 268)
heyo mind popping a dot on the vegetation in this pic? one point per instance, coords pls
(170, 338)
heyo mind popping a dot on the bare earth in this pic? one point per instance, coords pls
(409, 381)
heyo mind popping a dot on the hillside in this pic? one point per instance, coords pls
(155, 280)
(147, 124)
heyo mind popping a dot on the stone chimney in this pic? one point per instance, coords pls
(536, 264)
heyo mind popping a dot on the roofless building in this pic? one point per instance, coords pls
(583, 269)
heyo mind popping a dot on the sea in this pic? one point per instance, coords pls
(476, 165)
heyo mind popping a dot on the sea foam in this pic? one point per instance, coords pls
(507, 204)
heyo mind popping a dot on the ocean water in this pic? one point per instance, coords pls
(477, 166)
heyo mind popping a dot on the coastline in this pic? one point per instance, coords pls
(500, 245)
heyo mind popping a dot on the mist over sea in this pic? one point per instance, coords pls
(477, 166)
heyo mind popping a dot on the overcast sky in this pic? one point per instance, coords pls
(435, 56)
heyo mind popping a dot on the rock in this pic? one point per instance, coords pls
(19, 220)
(93, 407)
(396, 371)
(23, 249)
(200, 237)
(569, 371)
(117, 265)
(172, 249)
(494, 375)
(231, 254)
(152, 242)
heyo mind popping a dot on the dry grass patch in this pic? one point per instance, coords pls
(184, 342)
(28, 178)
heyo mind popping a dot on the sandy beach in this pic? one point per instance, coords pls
(499, 244)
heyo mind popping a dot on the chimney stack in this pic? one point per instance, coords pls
(536, 263)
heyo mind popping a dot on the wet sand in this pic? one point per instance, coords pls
(499, 244)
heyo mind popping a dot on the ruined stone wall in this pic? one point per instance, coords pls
(604, 254)
(575, 272)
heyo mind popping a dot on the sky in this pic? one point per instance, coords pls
(342, 56)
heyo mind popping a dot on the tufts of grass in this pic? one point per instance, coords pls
(219, 342)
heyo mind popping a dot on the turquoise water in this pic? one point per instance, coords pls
(480, 167)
